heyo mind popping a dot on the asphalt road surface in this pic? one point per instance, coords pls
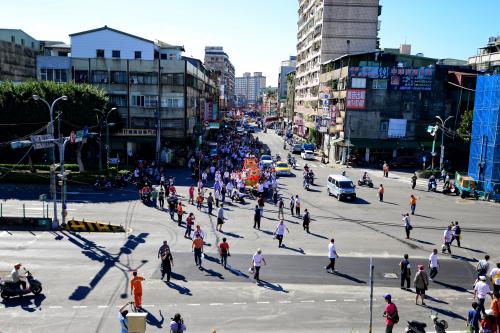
(86, 276)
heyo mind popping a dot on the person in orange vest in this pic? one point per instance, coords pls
(413, 204)
(180, 212)
(381, 193)
(136, 289)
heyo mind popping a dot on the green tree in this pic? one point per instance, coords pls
(465, 128)
(21, 115)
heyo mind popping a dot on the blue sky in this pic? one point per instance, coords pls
(257, 34)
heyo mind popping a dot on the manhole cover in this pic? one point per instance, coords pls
(390, 276)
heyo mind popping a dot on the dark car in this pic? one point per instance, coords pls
(296, 148)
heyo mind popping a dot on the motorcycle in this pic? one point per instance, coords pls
(432, 185)
(307, 182)
(102, 184)
(292, 162)
(311, 177)
(365, 182)
(10, 289)
(278, 158)
(414, 326)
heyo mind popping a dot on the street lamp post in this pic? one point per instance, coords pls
(443, 124)
(50, 130)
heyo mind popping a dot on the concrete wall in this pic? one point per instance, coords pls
(17, 63)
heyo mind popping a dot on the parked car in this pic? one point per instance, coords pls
(309, 146)
(282, 169)
(307, 154)
(265, 161)
(341, 187)
(296, 148)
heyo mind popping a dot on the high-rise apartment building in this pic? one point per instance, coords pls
(287, 66)
(218, 60)
(328, 29)
(248, 88)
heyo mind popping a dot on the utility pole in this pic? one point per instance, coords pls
(443, 124)
(104, 121)
(371, 295)
(50, 130)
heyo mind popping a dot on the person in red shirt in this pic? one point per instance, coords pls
(136, 289)
(172, 190)
(189, 225)
(224, 252)
(191, 195)
(390, 314)
(180, 212)
(381, 193)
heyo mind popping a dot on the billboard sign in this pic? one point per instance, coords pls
(355, 99)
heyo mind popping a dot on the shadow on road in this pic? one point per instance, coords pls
(447, 313)
(152, 320)
(349, 277)
(318, 235)
(453, 287)
(299, 250)
(182, 290)
(271, 286)
(230, 234)
(25, 302)
(98, 253)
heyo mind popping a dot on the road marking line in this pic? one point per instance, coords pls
(330, 300)
(262, 302)
(216, 304)
(194, 304)
(284, 302)
(470, 298)
(148, 306)
(55, 307)
(240, 303)
(307, 301)
(79, 306)
(349, 300)
(103, 306)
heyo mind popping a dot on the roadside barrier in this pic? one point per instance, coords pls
(91, 226)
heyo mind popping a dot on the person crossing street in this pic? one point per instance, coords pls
(332, 255)
(257, 260)
(279, 232)
(136, 289)
(306, 220)
(256, 217)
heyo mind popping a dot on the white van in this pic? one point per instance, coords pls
(341, 187)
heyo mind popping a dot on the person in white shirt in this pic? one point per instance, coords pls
(18, 275)
(481, 290)
(332, 255)
(279, 232)
(433, 264)
(495, 279)
(257, 261)
(447, 237)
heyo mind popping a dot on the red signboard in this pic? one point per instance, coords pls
(355, 99)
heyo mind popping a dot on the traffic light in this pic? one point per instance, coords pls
(432, 130)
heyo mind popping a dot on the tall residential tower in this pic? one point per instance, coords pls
(328, 29)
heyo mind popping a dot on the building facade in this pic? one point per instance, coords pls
(328, 29)
(248, 88)
(286, 67)
(18, 52)
(488, 59)
(151, 85)
(218, 60)
(376, 106)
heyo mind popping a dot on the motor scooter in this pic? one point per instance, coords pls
(432, 185)
(10, 289)
(440, 326)
(367, 181)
